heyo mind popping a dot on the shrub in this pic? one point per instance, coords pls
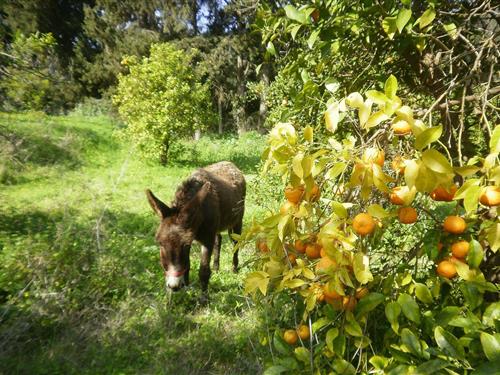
(162, 100)
(386, 294)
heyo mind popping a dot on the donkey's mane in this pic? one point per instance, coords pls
(188, 189)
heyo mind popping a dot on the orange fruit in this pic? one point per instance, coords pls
(292, 258)
(335, 302)
(361, 292)
(490, 196)
(303, 332)
(446, 269)
(294, 194)
(373, 155)
(395, 196)
(330, 293)
(313, 251)
(300, 246)
(314, 194)
(322, 253)
(444, 195)
(460, 249)
(363, 224)
(290, 336)
(454, 224)
(287, 208)
(349, 303)
(401, 127)
(398, 164)
(262, 245)
(325, 263)
(407, 215)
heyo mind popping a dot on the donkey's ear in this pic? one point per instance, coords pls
(161, 209)
(190, 212)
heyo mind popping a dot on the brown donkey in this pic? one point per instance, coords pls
(211, 200)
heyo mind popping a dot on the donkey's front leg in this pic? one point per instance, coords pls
(206, 254)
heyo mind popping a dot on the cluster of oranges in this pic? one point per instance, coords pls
(294, 195)
(291, 336)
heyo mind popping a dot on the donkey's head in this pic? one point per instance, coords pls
(175, 235)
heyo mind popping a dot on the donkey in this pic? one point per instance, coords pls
(211, 200)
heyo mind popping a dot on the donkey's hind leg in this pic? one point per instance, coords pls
(217, 246)
(236, 229)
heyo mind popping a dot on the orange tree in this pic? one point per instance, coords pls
(378, 246)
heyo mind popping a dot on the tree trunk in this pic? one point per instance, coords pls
(240, 110)
(264, 78)
(164, 152)
(219, 107)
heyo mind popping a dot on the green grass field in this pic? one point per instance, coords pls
(81, 288)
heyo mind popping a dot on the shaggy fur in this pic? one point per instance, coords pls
(211, 200)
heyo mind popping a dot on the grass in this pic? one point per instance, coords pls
(81, 289)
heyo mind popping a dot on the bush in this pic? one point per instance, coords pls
(364, 251)
(162, 100)
(34, 79)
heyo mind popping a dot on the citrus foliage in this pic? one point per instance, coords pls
(162, 99)
(383, 284)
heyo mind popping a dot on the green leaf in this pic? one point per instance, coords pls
(389, 26)
(379, 362)
(471, 199)
(491, 345)
(451, 30)
(341, 366)
(491, 314)
(428, 136)
(270, 48)
(294, 31)
(308, 134)
(411, 342)
(297, 165)
(296, 15)
(426, 18)
(495, 140)
(361, 268)
(280, 345)
(377, 97)
(332, 85)
(256, 280)
(460, 194)
(423, 293)
(436, 161)
(330, 336)
(431, 367)
(487, 368)
(302, 354)
(320, 323)
(392, 311)
(391, 87)
(339, 345)
(449, 343)
(476, 253)
(368, 303)
(409, 307)
(446, 315)
(402, 19)
(378, 211)
(351, 326)
(312, 38)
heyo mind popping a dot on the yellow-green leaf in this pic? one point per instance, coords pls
(378, 211)
(495, 140)
(402, 19)
(426, 18)
(436, 161)
(332, 117)
(389, 26)
(376, 119)
(391, 87)
(256, 280)
(297, 165)
(362, 268)
(423, 293)
(308, 133)
(491, 345)
(471, 199)
(428, 136)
